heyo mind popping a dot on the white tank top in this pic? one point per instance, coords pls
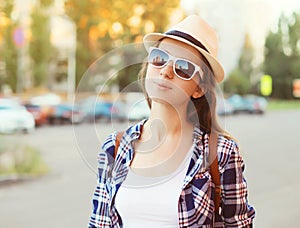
(151, 201)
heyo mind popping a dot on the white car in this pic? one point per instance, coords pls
(14, 117)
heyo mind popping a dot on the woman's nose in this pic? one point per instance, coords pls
(167, 71)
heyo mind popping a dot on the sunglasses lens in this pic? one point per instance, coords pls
(158, 58)
(184, 69)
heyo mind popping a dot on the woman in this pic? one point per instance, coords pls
(159, 175)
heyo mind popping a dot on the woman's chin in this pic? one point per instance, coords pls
(166, 93)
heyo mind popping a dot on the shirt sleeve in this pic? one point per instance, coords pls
(236, 212)
(100, 216)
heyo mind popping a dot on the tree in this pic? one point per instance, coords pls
(8, 49)
(40, 45)
(239, 80)
(245, 63)
(103, 25)
(282, 55)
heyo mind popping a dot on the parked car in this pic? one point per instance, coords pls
(257, 104)
(95, 110)
(248, 103)
(46, 99)
(224, 107)
(65, 113)
(40, 115)
(118, 111)
(14, 117)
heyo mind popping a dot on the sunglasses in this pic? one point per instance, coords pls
(182, 68)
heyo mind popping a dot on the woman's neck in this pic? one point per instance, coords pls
(165, 139)
(166, 120)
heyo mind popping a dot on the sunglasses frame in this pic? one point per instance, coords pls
(174, 59)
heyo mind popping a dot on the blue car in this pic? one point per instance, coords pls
(65, 113)
(95, 110)
(248, 103)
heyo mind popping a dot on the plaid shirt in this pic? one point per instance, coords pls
(195, 204)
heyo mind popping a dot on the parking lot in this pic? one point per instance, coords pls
(269, 143)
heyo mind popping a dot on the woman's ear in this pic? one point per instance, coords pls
(198, 93)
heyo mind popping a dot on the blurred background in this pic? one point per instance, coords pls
(68, 72)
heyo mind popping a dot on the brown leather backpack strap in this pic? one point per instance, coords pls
(118, 140)
(214, 169)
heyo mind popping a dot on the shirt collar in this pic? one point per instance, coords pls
(198, 134)
(135, 131)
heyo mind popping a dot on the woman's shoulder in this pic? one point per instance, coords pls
(109, 143)
(132, 132)
(227, 148)
(226, 143)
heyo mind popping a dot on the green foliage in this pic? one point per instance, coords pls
(46, 3)
(10, 57)
(6, 7)
(20, 159)
(239, 79)
(282, 55)
(275, 104)
(32, 163)
(8, 50)
(40, 46)
(245, 61)
(129, 74)
(237, 82)
(104, 24)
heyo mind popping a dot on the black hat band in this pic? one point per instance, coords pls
(187, 37)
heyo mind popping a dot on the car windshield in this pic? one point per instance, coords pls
(11, 107)
(4, 108)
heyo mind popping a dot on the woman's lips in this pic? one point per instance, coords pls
(162, 85)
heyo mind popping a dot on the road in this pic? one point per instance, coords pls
(269, 143)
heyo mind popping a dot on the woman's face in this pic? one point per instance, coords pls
(162, 84)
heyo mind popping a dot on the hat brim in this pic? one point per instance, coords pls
(218, 71)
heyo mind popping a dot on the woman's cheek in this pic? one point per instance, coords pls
(179, 93)
(152, 72)
(174, 96)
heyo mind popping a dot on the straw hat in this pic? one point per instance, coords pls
(193, 30)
